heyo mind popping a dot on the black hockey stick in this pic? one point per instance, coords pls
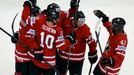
(13, 23)
(21, 43)
(90, 69)
(98, 41)
(28, 48)
(6, 32)
(97, 28)
(98, 33)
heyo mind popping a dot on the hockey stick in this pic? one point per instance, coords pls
(98, 33)
(28, 48)
(22, 44)
(90, 69)
(18, 41)
(13, 23)
(98, 41)
(68, 58)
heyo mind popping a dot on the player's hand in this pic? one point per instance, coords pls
(74, 3)
(15, 37)
(107, 61)
(100, 14)
(71, 36)
(38, 54)
(34, 2)
(92, 57)
(30, 3)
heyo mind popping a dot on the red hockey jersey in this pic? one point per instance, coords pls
(20, 52)
(49, 38)
(63, 15)
(83, 36)
(115, 48)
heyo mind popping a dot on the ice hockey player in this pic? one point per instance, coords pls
(73, 57)
(46, 37)
(22, 60)
(74, 5)
(114, 53)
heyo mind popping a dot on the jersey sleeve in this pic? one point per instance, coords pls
(25, 13)
(89, 39)
(108, 26)
(30, 36)
(60, 42)
(72, 11)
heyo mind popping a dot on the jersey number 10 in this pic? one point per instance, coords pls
(48, 41)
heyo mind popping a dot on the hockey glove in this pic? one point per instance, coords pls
(30, 3)
(15, 37)
(107, 61)
(38, 54)
(71, 36)
(92, 57)
(74, 3)
(100, 14)
(34, 2)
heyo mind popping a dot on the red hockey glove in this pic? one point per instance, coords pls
(92, 57)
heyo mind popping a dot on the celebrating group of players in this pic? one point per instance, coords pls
(55, 41)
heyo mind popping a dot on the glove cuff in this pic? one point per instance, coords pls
(91, 55)
(105, 19)
(38, 50)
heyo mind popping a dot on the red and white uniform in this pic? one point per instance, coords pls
(64, 15)
(116, 48)
(21, 52)
(83, 36)
(49, 38)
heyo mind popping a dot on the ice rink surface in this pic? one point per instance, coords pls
(113, 8)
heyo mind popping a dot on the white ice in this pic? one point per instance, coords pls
(113, 8)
